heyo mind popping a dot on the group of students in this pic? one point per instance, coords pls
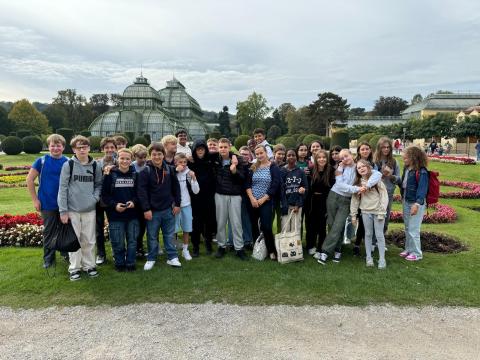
(229, 198)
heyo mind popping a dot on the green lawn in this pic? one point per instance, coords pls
(437, 280)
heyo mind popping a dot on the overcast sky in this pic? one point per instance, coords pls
(222, 51)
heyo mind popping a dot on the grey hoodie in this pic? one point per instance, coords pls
(82, 192)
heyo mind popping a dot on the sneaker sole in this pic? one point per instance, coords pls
(336, 261)
(322, 262)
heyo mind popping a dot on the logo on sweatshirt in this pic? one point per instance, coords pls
(82, 178)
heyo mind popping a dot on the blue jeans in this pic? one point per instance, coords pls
(165, 220)
(412, 228)
(246, 226)
(119, 232)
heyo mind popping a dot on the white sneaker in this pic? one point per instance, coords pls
(323, 258)
(148, 265)
(186, 254)
(312, 251)
(369, 262)
(317, 255)
(214, 240)
(336, 257)
(174, 262)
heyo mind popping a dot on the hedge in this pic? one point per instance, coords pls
(310, 138)
(32, 144)
(340, 138)
(140, 140)
(365, 138)
(12, 145)
(95, 142)
(67, 133)
(288, 141)
(374, 140)
(241, 140)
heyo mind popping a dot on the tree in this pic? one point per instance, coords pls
(116, 100)
(358, 111)
(297, 121)
(224, 122)
(389, 106)
(99, 103)
(274, 132)
(25, 116)
(279, 117)
(56, 116)
(326, 110)
(417, 98)
(440, 125)
(251, 113)
(8, 125)
(470, 126)
(356, 131)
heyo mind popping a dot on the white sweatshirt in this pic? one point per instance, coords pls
(183, 177)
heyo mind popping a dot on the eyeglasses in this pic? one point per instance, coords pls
(84, 147)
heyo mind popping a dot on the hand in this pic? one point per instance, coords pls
(295, 209)
(233, 166)
(192, 175)
(37, 205)
(180, 168)
(307, 171)
(414, 210)
(176, 210)
(120, 207)
(362, 190)
(147, 215)
(254, 202)
(130, 205)
(107, 169)
(301, 190)
(234, 160)
(354, 221)
(64, 218)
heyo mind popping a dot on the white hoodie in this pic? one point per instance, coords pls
(183, 177)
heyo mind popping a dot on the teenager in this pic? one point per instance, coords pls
(188, 184)
(259, 137)
(159, 197)
(314, 147)
(212, 144)
(373, 204)
(293, 192)
(230, 174)
(322, 180)
(78, 195)
(140, 153)
(120, 142)
(47, 168)
(246, 154)
(119, 194)
(304, 163)
(279, 151)
(169, 143)
(203, 204)
(182, 146)
(414, 191)
(338, 205)
(263, 186)
(334, 156)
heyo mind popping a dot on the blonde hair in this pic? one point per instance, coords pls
(256, 164)
(169, 139)
(279, 147)
(56, 138)
(139, 149)
(125, 150)
(180, 156)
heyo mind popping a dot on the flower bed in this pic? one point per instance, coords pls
(472, 190)
(452, 159)
(443, 214)
(21, 235)
(8, 186)
(431, 242)
(18, 167)
(12, 179)
(8, 221)
(15, 173)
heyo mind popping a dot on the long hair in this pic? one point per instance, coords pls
(358, 177)
(298, 147)
(418, 157)
(336, 148)
(256, 164)
(370, 157)
(325, 175)
(378, 156)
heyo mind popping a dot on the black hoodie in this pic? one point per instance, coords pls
(203, 170)
(119, 187)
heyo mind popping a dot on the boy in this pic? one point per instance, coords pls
(212, 144)
(108, 147)
(169, 143)
(182, 147)
(188, 183)
(230, 175)
(120, 142)
(48, 168)
(160, 198)
(79, 192)
(259, 137)
(139, 152)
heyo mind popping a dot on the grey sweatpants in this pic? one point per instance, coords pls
(374, 225)
(338, 208)
(229, 207)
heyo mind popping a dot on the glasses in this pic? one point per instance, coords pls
(84, 147)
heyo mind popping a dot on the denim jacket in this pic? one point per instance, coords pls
(415, 192)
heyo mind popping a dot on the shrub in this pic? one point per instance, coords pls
(288, 141)
(23, 133)
(374, 140)
(299, 137)
(32, 144)
(140, 140)
(1, 167)
(68, 135)
(214, 134)
(148, 137)
(241, 140)
(326, 141)
(130, 136)
(86, 133)
(95, 142)
(365, 138)
(340, 138)
(311, 138)
(274, 132)
(12, 145)
(2, 137)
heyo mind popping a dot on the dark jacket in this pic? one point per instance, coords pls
(119, 187)
(275, 183)
(227, 183)
(316, 201)
(158, 188)
(205, 175)
(292, 180)
(416, 191)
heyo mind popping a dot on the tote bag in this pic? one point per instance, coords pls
(289, 244)
(260, 248)
(350, 231)
(64, 238)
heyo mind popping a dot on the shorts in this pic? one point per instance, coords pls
(183, 220)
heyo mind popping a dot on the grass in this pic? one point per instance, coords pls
(439, 279)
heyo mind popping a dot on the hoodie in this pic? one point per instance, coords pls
(292, 180)
(187, 185)
(119, 187)
(81, 192)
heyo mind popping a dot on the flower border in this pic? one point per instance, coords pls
(443, 214)
(460, 160)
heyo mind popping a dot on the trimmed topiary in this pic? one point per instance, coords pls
(241, 140)
(32, 144)
(299, 137)
(365, 138)
(86, 133)
(12, 145)
(95, 142)
(140, 140)
(67, 133)
(374, 140)
(340, 137)
(288, 141)
(2, 137)
(326, 141)
(23, 133)
(310, 138)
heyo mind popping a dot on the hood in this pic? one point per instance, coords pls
(197, 144)
(131, 170)
(90, 160)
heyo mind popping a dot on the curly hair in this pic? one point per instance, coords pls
(418, 157)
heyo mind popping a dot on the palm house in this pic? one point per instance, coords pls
(147, 111)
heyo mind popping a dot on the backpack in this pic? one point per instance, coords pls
(433, 186)
(70, 165)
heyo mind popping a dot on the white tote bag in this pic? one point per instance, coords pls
(289, 244)
(350, 231)
(260, 248)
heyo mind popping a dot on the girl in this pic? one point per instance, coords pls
(314, 147)
(414, 191)
(279, 151)
(390, 170)
(322, 180)
(364, 152)
(262, 186)
(373, 204)
(279, 154)
(294, 188)
(334, 158)
(338, 204)
(119, 193)
(304, 164)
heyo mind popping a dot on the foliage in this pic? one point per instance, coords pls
(17, 167)
(140, 140)
(365, 137)
(326, 141)
(442, 214)
(358, 111)
(32, 144)
(470, 126)
(68, 135)
(79, 114)
(310, 138)
(288, 141)
(472, 190)
(23, 133)
(356, 131)
(374, 140)
(297, 120)
(452, 159)
(439, 125)
(86, 133)
(224, 122)
(56, 115)
(279, 117)
(99, 103)
(8, 221)
(25, 116)
(95, 142)
(329, 108)
(274, 132)
(148, 137)
(340, 137)
(8, 125)
(12, 179)
(252, 112)
(116, 100)
(214, 134)
(22, 235)
(12, 145)
(417, 98)
(389, 106)
(241, 140)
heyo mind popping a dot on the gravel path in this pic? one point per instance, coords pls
(212, 331)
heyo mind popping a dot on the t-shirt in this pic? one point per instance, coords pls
(261, 180)
(49, 179)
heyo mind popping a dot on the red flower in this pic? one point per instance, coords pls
(7, 221)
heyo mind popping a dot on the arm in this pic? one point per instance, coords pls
(97, 186)
(374, 179)
(383, 198)
(354, 204)
(422, 187)
(194, 185)
(32, 175)
(343, 183)
(176, 192)
(62, 197)
(275, 181)
(107, 191)
(142, 190)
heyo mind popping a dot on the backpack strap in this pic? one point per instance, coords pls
(70, 165)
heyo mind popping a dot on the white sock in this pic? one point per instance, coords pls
(185, 246)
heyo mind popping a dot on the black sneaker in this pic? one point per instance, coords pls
(220, 253)
(241, 255)
(209, 250)
(248, 246)
(120, 268)
(336, 257)
(92, 272)
(74, 276)
(356, 250)
(100, 260)
(130, 268)
(195, 253)
(47, 265)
